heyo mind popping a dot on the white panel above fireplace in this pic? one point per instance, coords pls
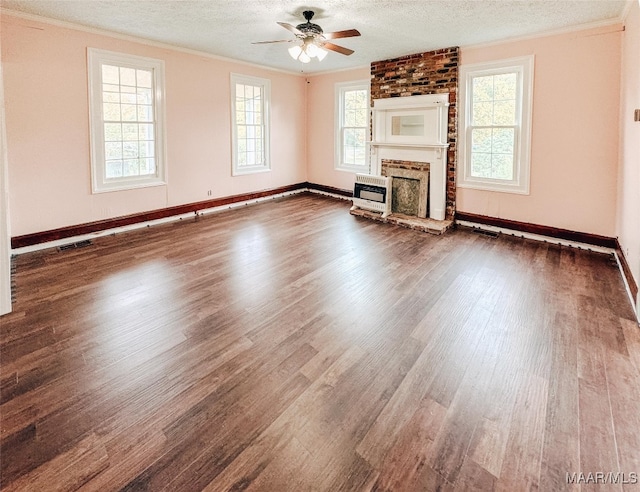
(414, 120)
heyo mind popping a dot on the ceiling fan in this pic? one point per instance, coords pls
(312, 41)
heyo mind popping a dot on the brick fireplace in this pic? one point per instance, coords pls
(433, 72)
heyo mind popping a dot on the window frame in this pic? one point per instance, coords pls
(340, 89)
(265, 85)
(524, 69)
(99, 182)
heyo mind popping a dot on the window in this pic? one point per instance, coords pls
(250, 126)
(352, 127)
(495, 139)
(126, 107)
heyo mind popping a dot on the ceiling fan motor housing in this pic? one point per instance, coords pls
(309, 28)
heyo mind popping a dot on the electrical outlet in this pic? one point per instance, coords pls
(636, 115)
(209, 193)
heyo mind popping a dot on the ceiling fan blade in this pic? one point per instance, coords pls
(349, 33)
(337, 49)
(289, 27)
(278, 41)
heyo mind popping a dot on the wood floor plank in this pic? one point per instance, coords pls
(285, 470)
(129, 455)
(69, 470)
(597, 439)
(632, 340)
(440, 345)
(450, 448)
(597, 444)
(201, 446)
(521, 466)
(562, 428)
(291, 346)
(623, 381)
(290, 424)
(8, 386)
(404, 465)
(475, 477)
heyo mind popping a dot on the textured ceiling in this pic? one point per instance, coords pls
(389, 28)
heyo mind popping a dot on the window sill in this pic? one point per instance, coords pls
(106, 188)
(356, 170)
(244, 172)
(495, 187)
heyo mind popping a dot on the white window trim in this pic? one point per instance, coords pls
(524, 66)
(95, 59)
(266, 90)
(340, 88)
(5, 241)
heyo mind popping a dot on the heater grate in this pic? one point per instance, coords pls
(79, 244)
(372, 180)
(12, 282)
(486, 233)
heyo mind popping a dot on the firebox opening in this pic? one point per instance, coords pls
(405, 196)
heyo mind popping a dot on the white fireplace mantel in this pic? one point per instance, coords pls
(414, 128)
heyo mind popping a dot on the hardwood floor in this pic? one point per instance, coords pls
(290, 346)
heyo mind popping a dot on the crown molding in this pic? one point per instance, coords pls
(139, 40)
(338, 70)
(627, 9)
(553, 32)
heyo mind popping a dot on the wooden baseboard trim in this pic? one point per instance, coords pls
(330, 189)
(626, 271)
(101, 225)
(579, 237)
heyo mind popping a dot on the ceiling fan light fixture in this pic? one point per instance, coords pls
(295, 51)
(304, 58)
(311, 49)
(305, 52)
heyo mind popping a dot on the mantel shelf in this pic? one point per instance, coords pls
(414, 145)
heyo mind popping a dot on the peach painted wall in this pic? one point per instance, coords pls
(574, 147)
(321, 127)
(629, 171)
(45, 77)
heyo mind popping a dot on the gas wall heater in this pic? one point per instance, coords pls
(371, 193)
